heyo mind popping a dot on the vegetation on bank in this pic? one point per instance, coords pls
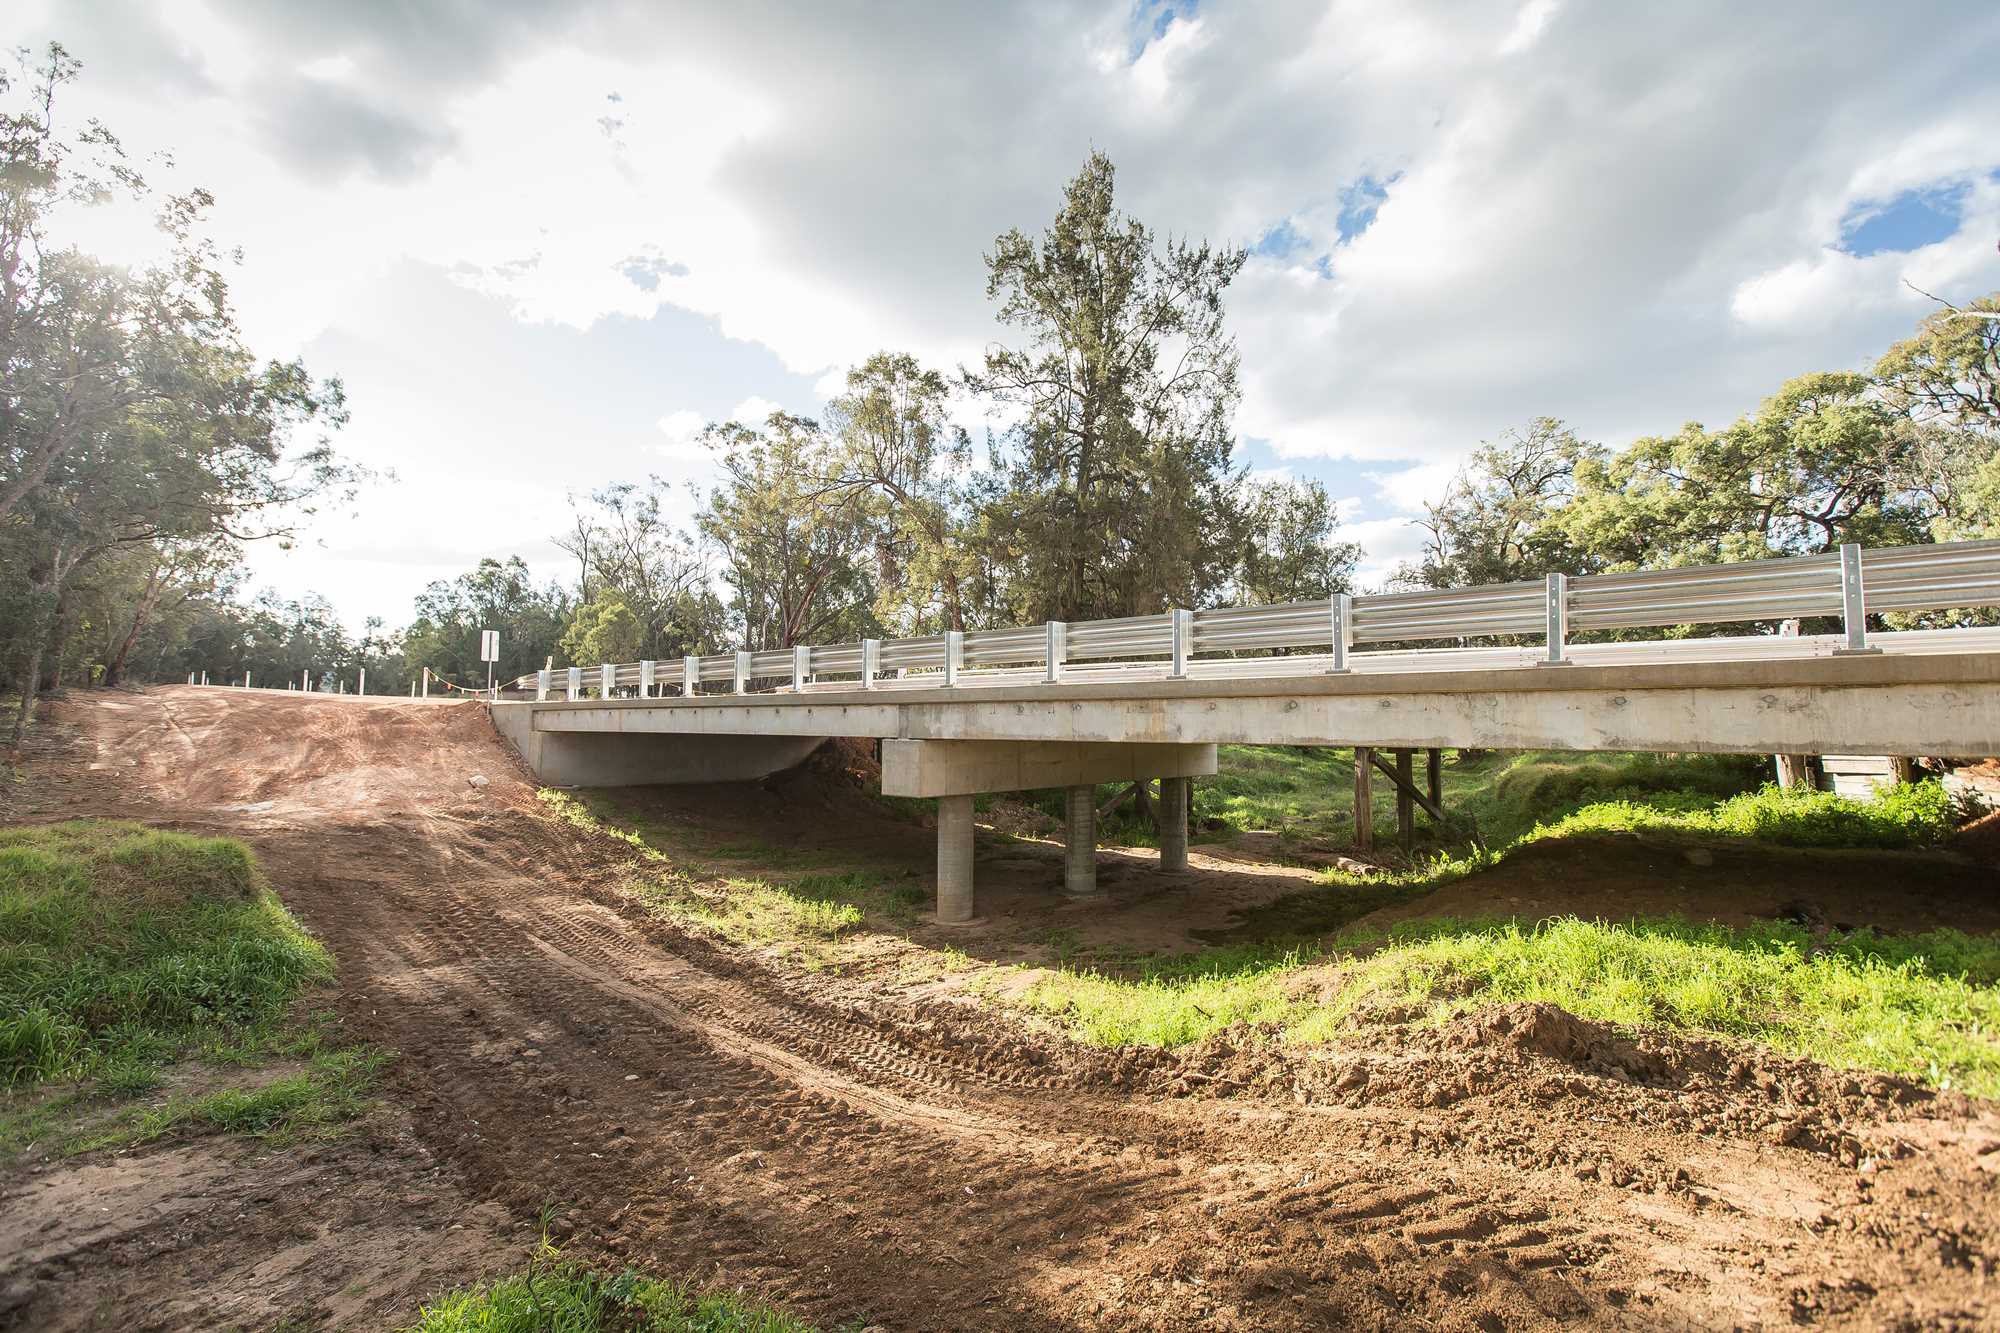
(1924, 1006)
(557, 1293)
(124, 950)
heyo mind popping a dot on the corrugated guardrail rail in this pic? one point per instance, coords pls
(1252, 641)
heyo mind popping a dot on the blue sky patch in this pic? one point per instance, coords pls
(1359, 202)
(1908, 221)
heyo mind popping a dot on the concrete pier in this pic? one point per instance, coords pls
(954, 872)
(1080, 842)
(1174, 825)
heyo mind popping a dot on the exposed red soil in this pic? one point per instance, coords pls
(922, 1163)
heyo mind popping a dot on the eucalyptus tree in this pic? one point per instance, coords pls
(795, 555)
(131, 413)
(1118, 490)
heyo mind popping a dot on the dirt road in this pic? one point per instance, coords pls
(933, 1165)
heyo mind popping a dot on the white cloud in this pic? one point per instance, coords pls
(754, 411)
(683, 431)
(1623, 215)
(1528, 24)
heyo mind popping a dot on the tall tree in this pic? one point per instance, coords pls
(1290, 552)
(130, 411)
(624, 543)
(898, 456)
(795, 557)
(1494, 522)
(1119, 490)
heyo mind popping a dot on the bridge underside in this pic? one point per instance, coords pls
(952, 744)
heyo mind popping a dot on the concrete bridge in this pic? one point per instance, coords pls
(1151, 697)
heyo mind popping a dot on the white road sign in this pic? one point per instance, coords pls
(489, 645)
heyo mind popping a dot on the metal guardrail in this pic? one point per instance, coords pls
(1851, 584)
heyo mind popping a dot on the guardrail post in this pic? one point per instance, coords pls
(954, 656)
(1558, 599)
(690, 675)
(1853, 602)
(575, 682)
(742, 673)
(1342, 613)
(1056, 651)
(871, 662)
(542, 685)
(1182, 626)
(648, 670)
(801, 666)
(607, 680)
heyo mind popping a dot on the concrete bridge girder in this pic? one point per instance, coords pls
(953, 743)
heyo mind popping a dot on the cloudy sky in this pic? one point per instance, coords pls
(542, 242)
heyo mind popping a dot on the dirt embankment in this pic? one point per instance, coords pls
(926, 1164)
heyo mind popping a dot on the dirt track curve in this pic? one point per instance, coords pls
(932, 1165)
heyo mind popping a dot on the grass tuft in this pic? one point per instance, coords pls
(557, 1295)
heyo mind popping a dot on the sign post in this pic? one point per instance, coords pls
(489, 653)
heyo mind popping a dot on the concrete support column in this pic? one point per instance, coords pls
(1173, 825)
(1080, 842)
(954, 873)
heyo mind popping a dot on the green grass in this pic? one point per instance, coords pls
(1925, 1006)
(1907, 816)
(124, 950)
(1306, 793)
(117, 940)
(556, 1295)
(803, 916)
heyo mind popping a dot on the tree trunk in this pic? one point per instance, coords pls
(115, 672)
(29, 681)
(59, 649)
(60, 568)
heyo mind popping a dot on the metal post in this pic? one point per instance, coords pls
(1056, 651)
(954, 655)
(607, 680)
(1343, 631)
(647, 670)
(801, 666)
(305, 681)
(1558, 599)
(742, 673)
(190, 677)
(361, 685)
(871, 662)
(1182, 623)
(690, 675)
(427, 683)
(575, 682)
(542, 685)
(1853, 603)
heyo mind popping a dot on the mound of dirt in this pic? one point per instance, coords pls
(1979, 841)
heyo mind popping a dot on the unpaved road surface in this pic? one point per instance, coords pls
(927, 1164)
